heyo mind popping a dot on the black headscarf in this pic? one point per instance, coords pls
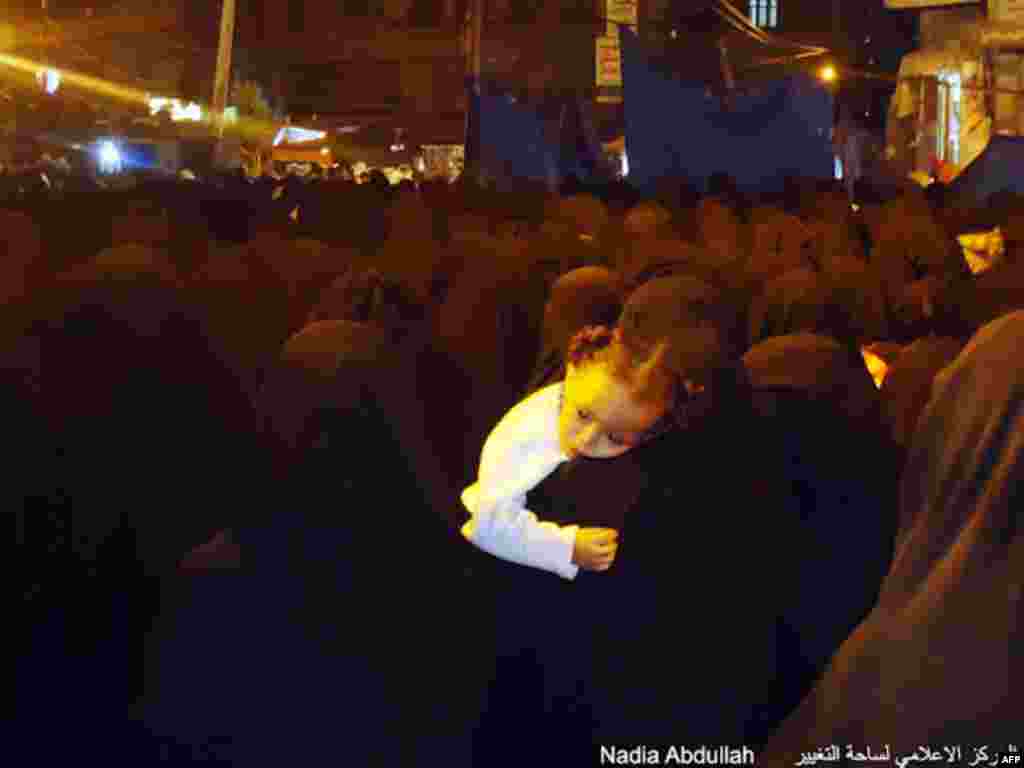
(797, 301)
(362, 540)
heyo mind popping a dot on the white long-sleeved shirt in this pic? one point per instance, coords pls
(520, 452)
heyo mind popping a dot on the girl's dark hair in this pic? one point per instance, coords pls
(644, 371)
(586, 343)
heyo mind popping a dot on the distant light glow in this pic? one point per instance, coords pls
(398, 147)
(398, 175)
(625, 165)
(180, 112)
(49, 79)
(828, 73)
(839, 168)
(983, 250)
(922, 178)
(292, 134)
(110, 157)
(876, 366)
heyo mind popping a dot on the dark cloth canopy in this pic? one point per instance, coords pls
(678, 129)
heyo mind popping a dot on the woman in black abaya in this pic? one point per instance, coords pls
(661, 648)
(143, 431)
(353, 580)
(936, 661)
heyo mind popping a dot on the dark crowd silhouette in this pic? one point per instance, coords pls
(242, 415)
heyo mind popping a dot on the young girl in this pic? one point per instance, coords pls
(610, 401)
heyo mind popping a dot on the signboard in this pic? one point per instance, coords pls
(1011, 11)
(898, 5)
(607, 55)
(609, 63)
(620, 12)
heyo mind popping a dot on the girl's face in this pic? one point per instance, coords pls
(600, 419)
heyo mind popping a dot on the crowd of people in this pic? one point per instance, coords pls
(255, 528)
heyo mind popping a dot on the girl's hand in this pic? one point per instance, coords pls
(595, 548)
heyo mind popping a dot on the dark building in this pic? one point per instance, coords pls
(397, 61)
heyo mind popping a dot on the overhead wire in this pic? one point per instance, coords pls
(724, 7)
(750, 30)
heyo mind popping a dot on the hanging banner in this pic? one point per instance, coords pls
(621, 12)
(675, 129)
(609, 63)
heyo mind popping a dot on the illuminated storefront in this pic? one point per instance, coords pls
(961, 89)
(939, 120)
(443, 161)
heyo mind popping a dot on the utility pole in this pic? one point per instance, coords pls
(473, 90)
(837, 27)
(222, 75)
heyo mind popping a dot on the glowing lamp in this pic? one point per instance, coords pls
(876, 366)
(109, 157)
(292, 134)
(828, 73)
(49, 79)
(190, 112)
